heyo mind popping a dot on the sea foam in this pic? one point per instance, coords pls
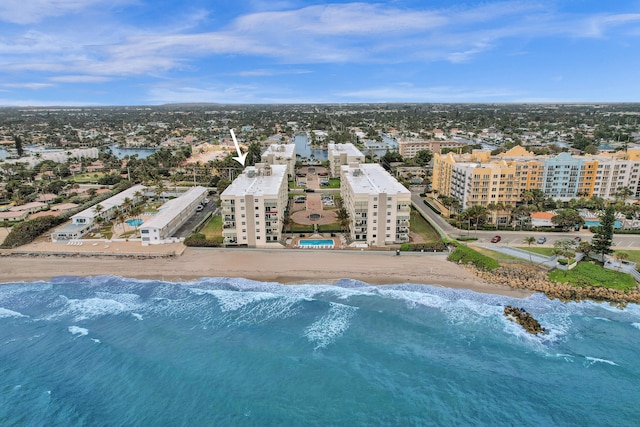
(330, 326)
(76, 330)
(4, 313)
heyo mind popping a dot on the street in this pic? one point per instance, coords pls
(515, 238)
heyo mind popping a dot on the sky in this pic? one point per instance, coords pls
(150, 52)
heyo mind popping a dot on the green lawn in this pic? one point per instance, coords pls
(334, 183)
(300, 228)
(333, 227)
(213, 229)
(420, 226)
(592, 274)
(498, 256)
(537, 250)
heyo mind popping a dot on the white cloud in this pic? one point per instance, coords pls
(270, 72)
(33, 86)
(80, 79)
(32, 11)
(332, 33)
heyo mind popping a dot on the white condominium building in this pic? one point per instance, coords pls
(342, 154)
(253, 206)
(379, 207)
(281, 154)
(172, 215)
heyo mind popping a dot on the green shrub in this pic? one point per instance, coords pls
(467, 255)
(200, 240)
(27, 231)
(427, 247)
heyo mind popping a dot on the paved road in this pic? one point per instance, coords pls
(186, 228)
(515, 238)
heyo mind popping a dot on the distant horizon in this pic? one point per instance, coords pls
(196, 104)
(103, 53)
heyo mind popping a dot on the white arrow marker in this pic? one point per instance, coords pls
(240, 158)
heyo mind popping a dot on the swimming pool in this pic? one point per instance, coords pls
(134, 222)
(316, 243)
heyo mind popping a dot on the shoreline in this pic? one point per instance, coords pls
(286, 267)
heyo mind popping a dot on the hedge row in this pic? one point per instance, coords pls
(426, 247)
(467, 255)
(27, 231)
(200, 240)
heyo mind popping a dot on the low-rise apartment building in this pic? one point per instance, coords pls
(253, 207)
(379, 206)
(172, 215)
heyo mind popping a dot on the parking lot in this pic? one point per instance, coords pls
(186, 228)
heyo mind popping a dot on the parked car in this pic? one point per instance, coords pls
(309, 190)
(541, 240)
(496, 239)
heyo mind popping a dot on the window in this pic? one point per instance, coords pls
(257, 215)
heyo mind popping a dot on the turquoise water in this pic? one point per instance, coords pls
(316, 242)
(114, 351)
(137, 222)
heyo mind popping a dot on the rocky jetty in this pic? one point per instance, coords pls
(524, 319)
(525, 277)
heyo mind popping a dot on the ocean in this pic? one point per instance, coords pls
(110, 351)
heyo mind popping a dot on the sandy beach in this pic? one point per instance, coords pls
(284, 266)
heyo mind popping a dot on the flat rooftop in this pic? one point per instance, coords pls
(116, 200)
(284, 150)
(371, 178)
(337, 149)
(254, 181)
(173, 207)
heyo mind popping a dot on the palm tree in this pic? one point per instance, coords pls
(160, 189)
(127, 204)
(493, 209)
(527, 197)
(98, 209)
(529, 240)
(343, 217)
(120, 219)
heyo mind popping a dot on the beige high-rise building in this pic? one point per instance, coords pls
(281, 154)
(379, 206)
(253, 207)
(342, 154)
